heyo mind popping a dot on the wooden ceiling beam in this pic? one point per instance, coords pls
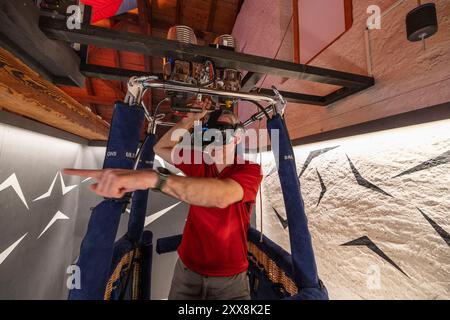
(24, 92)
(117, 89)
(152, 46)
(238, 9)
(296, 31)
(118, 64)
(145, 23)
(179, 12)
(90, 91)
(84, 54)
(126, 17)
(212, 15)
(110, 73)
(145, 16)
(88, 99)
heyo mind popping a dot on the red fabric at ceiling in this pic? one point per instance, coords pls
(102, 9)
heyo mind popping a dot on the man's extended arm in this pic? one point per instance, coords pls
(205, 192)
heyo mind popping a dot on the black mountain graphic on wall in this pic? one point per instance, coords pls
(363, 182)
(283, 221)
(439, 160)
(312, 155)
(272, 171)
(444, 234)
(365, 241)
(323, 188)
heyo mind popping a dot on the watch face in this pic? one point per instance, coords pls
(163, 171)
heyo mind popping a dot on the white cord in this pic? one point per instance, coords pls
(260, 187)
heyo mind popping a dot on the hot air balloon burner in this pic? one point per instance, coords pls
(201, 72)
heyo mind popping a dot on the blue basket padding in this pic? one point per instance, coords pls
(276, 253)
(168, 244)
(146, 265)
(121, 247)
(265, 289)
(304, 267)
(135, 236)
(96, 251)
(261, 288)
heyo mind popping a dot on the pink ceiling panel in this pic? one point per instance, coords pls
(321, 23)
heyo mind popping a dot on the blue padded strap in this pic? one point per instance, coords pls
(124, 136)
(97, 246)
(140, 197)
(303, 260)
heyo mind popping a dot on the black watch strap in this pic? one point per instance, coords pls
(163, 175)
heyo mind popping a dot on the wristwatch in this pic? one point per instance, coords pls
(163, 175)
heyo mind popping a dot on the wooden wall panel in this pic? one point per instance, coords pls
(407, 78)
(24, 92)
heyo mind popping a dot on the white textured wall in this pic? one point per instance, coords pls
(36, 242)
(349, 211)
(42, 220)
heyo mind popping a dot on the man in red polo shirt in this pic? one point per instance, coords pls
(213, 253)
(221, 192)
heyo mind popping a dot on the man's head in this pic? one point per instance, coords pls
(233, 132)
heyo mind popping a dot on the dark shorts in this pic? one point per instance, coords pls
(188, 285)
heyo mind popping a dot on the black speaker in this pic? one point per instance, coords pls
(421, 23)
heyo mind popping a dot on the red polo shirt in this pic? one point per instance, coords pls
(215, 240)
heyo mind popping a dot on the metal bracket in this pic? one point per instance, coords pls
(136, 89)
(281, 102)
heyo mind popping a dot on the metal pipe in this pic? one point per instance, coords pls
(166, 124)
(156, 84)
(257, 116)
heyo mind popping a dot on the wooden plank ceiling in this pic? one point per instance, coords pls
(208, 18)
